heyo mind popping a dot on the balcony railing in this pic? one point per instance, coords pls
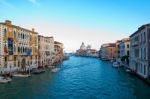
(134, 44)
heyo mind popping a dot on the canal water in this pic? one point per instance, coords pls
(78, 78)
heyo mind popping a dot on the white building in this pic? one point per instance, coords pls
(82, 47)
(124, 47)
(140, 51)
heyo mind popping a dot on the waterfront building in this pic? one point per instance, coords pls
(118, 49)
(59, 54)
(124, 49)
(83, 47)
(87, 51)
(18, 47)
(108, 51)
(140, 51)
(46, 50)
(92, 53)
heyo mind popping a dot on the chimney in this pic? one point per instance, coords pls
(8, 22)
(32, 29)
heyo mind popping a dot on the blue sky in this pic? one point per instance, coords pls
(72, 21)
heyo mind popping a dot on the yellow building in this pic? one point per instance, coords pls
(18, 47)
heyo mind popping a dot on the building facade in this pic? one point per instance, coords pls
(46, 50)
(124, 47)
(139, 51)
(59, 54)
(108, 51)
(118, 49)
(18, 48)
(87, 51)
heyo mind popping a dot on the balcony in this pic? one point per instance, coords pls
(135, 44)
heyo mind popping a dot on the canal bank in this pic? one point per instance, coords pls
(78, 78)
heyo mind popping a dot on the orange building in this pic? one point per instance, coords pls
(108, 51)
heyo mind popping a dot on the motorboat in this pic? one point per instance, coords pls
(55, 69)
(128, 70)
(37, 71)
(115, 64)
(5, 79)
(51, 67)
(21, 75)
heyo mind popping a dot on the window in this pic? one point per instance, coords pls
(127, 45)
(14, 58)
(136, 38)
(144, 70)
(5, 32)
(5, 59)
(141, 68)
(18, 64)
(144, 37)
(141, 37)
(15, 34)
(128, 52)
(144, 53)
(14, 49)
(18, 49)
(136, 52)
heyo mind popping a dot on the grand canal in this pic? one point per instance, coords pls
(78, 78)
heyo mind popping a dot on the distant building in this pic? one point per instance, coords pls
(82, 47)
(118, 49)
(86, 51)
(108, 51)
(140, 51)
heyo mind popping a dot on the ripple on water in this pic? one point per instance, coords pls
(79, 78)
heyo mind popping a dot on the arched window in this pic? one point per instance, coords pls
(14, 34)
(14, 48)
(23, 36)
(19, 49)
(23, 49)
(18, 63)
(5, 32)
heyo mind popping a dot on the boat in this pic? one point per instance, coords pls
(115, 64)
(24, 73)
(5, 80)
(55, 69)
(37, 71)
(66, 58)
(128, 70)
(21, 75)
(51, 67)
